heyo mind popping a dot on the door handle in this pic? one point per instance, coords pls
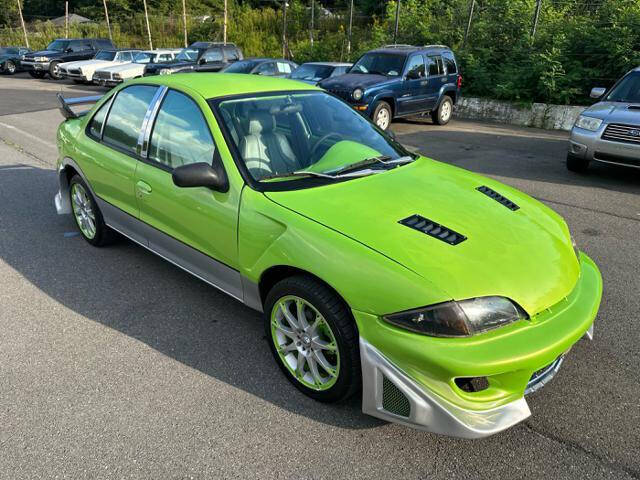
(143, 188)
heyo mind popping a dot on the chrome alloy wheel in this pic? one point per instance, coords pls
(11, 67)
(382, 118)
(305, 343)
(83, 211)
(445, 114)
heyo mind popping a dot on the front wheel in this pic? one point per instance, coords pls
(382, 115)
(442, 115)
(313, 338)
(9, 67)
(54, 71)
(87, 214)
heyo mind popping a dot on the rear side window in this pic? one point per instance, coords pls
(95, 127)
(125, 119)
(284, 67)
(180, 134)
(231, 53)
(436, 67)
(214, 55)
(450, 63)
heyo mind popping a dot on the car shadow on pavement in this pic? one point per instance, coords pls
(127, 288)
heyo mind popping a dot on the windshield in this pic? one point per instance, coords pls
(8, 51)
(304, 134)
(311, 72)
(243, 66)
(381, 63)
(105, 55)
(58, 45)
(188, 54)
(628, 90)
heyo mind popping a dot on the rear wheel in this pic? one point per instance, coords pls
(443, 114)
(9, 67)
(382, 115)
(575, 164)
(36, 74)
(313, 338)
(87, 214)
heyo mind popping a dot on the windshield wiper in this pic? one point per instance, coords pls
(382, 159)
(299, 173)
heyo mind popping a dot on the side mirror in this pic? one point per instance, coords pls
(200, 175)
(597, 92)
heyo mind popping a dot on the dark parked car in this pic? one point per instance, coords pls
(313, 72)
(272, 67)
(401, 80)
(46, 61)
(10, 59)
(199, 56)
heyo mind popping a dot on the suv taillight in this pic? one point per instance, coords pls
(459, 81)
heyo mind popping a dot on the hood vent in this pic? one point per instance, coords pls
(498, 198)
(433, 229)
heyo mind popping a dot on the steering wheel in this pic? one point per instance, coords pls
(322, 140)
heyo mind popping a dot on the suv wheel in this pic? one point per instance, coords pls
(9, 67)
(575, 164)
(35, 74)
(54, 71)
(382, 115)
(313, 338)
(442, 115)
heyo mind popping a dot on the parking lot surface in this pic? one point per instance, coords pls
(114, 363)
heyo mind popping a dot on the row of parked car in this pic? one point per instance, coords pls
(385, 83)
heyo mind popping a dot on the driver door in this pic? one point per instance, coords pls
(195, 228)
(414, 93)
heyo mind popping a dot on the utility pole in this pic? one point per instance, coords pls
(66, 19)
(106, 16)
(350, 25)
(466, 30)
(224, 24)
(395, 31)
(146, 16)
(313, 7)
(535, 18)
(284, 28)
(184, 21)
(24, 29)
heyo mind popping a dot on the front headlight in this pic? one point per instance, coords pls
(588, 123)
(357, 94)
(459, 319)
(40, 59)
(165, 71)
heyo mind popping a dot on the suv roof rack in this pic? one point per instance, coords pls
(399, 45)
(434, 46)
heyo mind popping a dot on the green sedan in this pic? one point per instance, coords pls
(444, 297)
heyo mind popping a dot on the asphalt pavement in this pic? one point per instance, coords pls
(116, 364)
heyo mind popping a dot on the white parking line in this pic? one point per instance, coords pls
(27, 134)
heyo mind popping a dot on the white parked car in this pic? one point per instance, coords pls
(113, 75)
(83, 70)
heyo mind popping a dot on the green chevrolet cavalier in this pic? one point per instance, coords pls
(444, 297)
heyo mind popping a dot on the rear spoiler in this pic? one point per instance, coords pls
(67, 103)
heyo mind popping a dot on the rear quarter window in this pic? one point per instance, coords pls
(450, 63)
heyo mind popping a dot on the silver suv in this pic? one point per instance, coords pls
(609, 131)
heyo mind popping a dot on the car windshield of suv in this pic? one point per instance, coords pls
(58, 45)
(311, 72)
(105, 55)
(307, 134)
(188, 54)
(628, 90)
(8, 51)
(243, 66)
(381, 63)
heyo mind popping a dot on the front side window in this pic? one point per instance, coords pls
(8, 51)
(278, 135)
(58, 45)
(79, 46)
(188, 54)
(311, 72)
(268, 68)
(125, 118)
(124, 57)
(214, 55)
(243, 66)
(144, 57)
(628, 90)
(379, 63)
(415, 67)
(284, 67)
(231, 54)
(180, 133)
(105, 55)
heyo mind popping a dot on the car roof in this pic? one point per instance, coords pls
(215, 85)
(211, 44)
(406, 49)
(329, 64)
(162, 50)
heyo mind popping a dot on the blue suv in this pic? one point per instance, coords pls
(401, 80)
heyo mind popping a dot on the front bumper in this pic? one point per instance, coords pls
(35, 66)
(588, 145)
(104, 82)
(74, 76)
(419, 372)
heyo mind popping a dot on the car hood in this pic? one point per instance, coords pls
(85, 63)
(618, 112)
(124, 67)
(525, 255)
(350, 81)
(170, 65)
(44, 53)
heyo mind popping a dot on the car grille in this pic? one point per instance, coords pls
(433, 229)
(343, 94)
(489, 192)
(393, 400)
(619, 159)
(541, 377)
(102, 75)
(74, 71)
(616, 132)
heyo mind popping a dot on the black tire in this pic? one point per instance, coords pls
(35, 74)
(343, 327)
(575, 164)
(9, 67)
(384, 110)
(54, 73)
(104, 235)
(442, 115)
